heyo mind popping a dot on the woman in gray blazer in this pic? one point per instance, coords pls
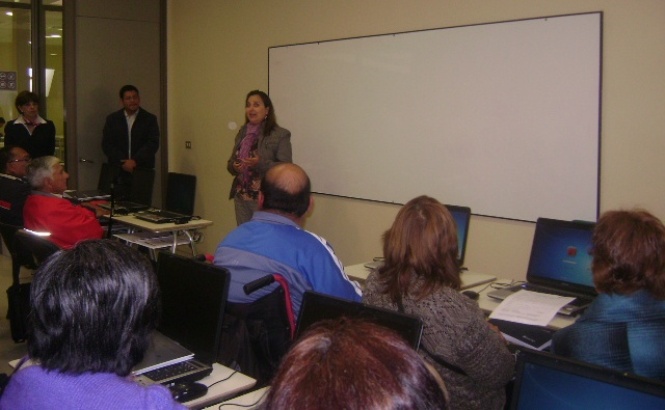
(259, 144)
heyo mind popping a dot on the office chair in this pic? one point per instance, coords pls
(38, 246)
(255, 336)
(18, 294)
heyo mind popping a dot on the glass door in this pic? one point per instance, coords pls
(31, 59)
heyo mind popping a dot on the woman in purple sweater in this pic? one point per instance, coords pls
(93, 309)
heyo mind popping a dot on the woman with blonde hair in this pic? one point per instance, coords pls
(421, 277)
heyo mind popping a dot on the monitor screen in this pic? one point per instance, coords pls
(193, 297)
(544, 381)
(316, 306)
(560, 254)
(462, 216)
(180, 193)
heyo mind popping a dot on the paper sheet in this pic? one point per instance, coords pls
(530, 308)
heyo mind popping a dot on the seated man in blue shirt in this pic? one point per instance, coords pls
(275, 242)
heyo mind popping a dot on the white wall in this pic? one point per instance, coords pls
(218, 51)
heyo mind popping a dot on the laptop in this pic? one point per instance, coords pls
(139, 196)
(179, 206)
(462, 217)
(560, 264)
(317, 306)
(193, 298)
(545, 381)
(85, 196)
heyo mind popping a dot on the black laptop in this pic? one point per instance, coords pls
(317, 306)
(179, 205)
(193, 296)
(560, 264)
(545, 381)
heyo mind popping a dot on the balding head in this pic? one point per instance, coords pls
(286, 188)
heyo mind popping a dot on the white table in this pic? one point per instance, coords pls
(158, 236)
(249, 400)
(469, 279)
(478, 282)
(222, 383)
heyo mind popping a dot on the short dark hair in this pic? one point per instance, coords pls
(629, 253)
(126, 88)
(5, 157)
(271, 120)
(93, 309)
(277, 198)
(422, 242)
(354, 364)
(25, 97)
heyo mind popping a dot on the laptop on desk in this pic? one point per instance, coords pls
(193, 297)
(85, 196)
(546, 381)
(317, 306)
(160, 216)
(124, 207)
(560, 264)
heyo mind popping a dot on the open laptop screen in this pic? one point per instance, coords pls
(544, 381)
(180, 193)
(193, 296)
(560, 255)
(462, 216)
(317, 306)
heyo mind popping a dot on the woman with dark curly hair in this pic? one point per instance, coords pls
(624, 328)
(93, 308)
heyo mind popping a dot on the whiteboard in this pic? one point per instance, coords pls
(501, 117)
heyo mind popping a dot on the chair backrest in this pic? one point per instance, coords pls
(8, 233)
(180, 193)
(255, 336)
(39, 247)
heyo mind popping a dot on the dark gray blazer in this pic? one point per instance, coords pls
(272, 148)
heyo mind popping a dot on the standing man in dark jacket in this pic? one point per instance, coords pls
(131, 137)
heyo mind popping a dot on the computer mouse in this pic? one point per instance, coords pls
(471, 294)
(186, 391)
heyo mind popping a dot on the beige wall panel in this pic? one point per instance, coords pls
(218, 51)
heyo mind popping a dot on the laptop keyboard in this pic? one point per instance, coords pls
(169, 372)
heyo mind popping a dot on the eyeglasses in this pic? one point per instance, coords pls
(26, 160)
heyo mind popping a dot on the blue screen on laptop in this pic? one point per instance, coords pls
(461, 216)
(561, 252)
(545, 388)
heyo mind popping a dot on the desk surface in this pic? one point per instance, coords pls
(485, 303)
(135, 222)
(250, 400)
(222, 383)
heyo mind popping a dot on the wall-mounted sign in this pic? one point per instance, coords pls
(8, 80)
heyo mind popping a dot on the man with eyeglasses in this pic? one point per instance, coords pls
(14, 189)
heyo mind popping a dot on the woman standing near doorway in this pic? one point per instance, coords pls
(29, 131)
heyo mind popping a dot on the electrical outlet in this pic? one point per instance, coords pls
(188, 144)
